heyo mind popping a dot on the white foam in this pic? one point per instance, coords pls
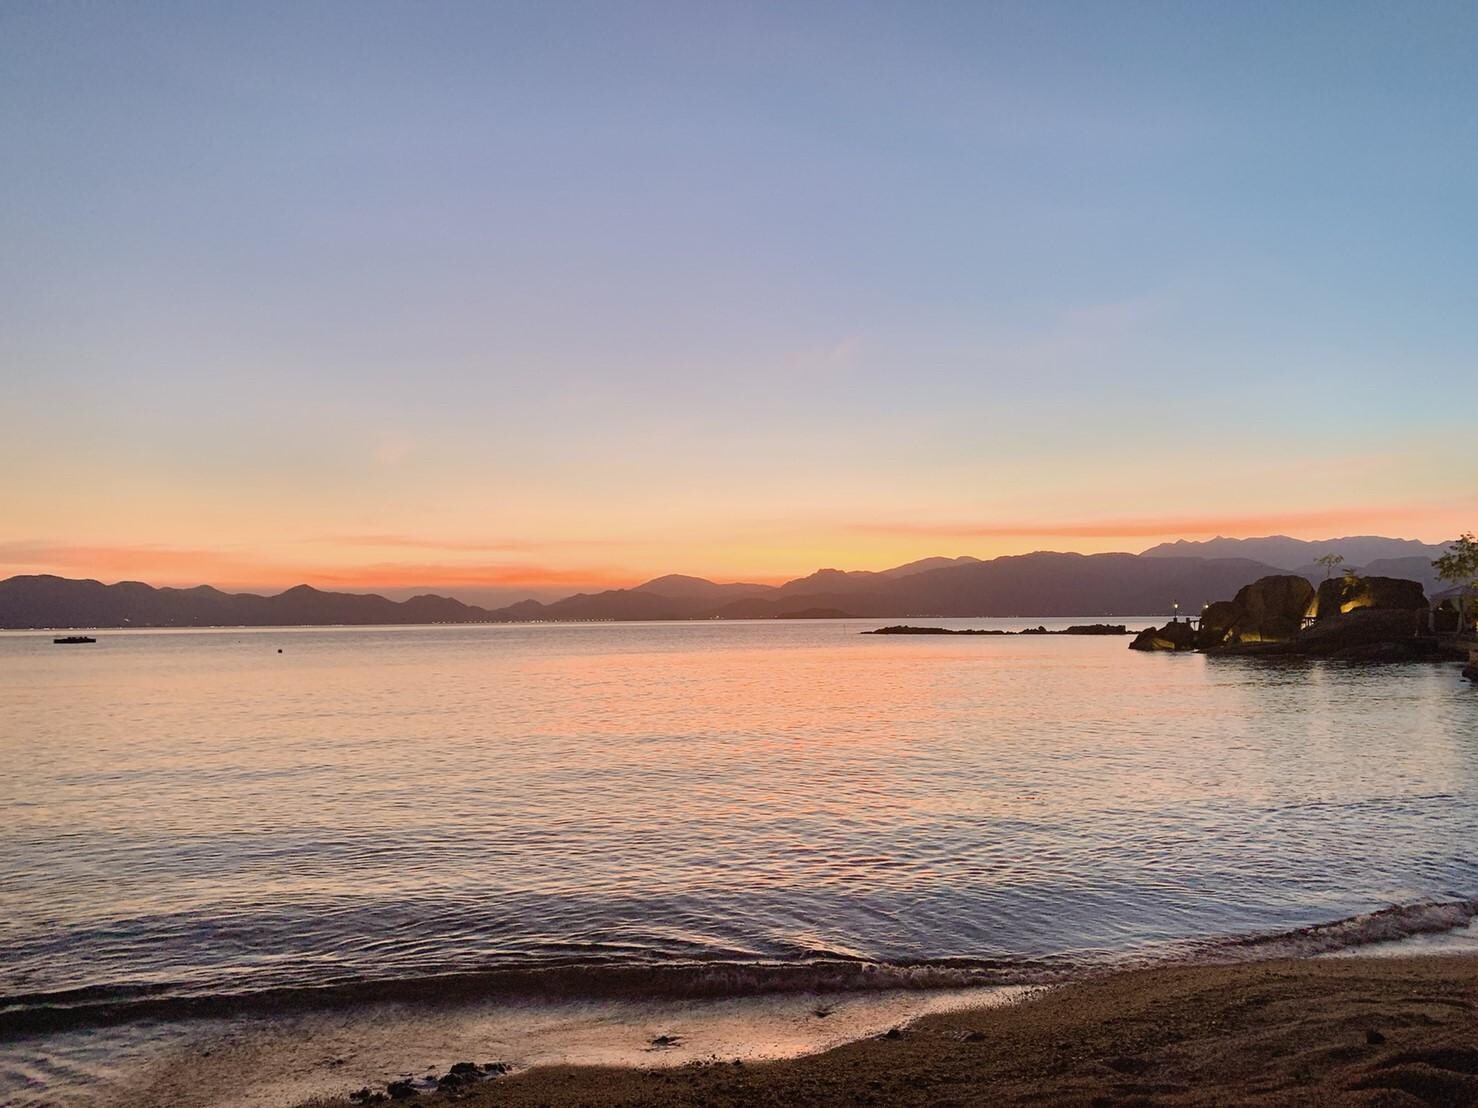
(266, 1063)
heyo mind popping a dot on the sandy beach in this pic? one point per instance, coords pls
(1376, 1031)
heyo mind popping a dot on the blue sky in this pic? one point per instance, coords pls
(582, 291)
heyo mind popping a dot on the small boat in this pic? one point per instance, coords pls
(67, 640)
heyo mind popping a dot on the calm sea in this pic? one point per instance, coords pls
(696, 809)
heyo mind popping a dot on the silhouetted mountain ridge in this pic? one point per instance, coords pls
(1045, 583)
(679, 585)
(1040, 584)
(1292, 554)
(48, 601)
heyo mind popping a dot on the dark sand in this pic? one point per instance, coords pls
(1373, 1031)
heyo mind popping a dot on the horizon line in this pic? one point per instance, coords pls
(430, 589)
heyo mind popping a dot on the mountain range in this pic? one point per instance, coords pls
(1041, 584)
(1290, 553)
(1369, 555)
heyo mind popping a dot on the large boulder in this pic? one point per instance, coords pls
(1361, 628)
(1341, 595)
(1173, 636)
(1271, 609)
(1217, 621)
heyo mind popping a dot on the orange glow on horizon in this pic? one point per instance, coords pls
(783, 552)
(173, 566)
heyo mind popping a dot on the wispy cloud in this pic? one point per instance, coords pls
(524, 575)
(385, 541)
(412, 542)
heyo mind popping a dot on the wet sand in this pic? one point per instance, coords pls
(1374, 1031)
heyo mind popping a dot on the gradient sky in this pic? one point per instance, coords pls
(546, 295)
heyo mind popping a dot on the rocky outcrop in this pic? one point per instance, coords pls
(1376, 619)
(1342, 595)
(1271, 609)
(1352, 636)
(1173, 636)
(1365, 625)
(1217, 622)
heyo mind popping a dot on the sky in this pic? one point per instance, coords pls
(519, 299)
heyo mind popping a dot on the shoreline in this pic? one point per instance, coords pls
(1362, 1030)
(459, 1036)
(1396, 929)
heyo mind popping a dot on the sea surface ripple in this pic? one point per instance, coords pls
(195, 815)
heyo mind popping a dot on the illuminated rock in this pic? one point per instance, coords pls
(1271, 609)
(1217, 622)
(1342, 595)
(1173, 636)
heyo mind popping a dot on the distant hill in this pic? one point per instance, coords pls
(1291, 554)
(679, 586)
(1042, 584)
(47, 601)
(924, 564)
(861, 580)
(1413, 569)
(1052, 584)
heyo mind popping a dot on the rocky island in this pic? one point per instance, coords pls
(1350, 618)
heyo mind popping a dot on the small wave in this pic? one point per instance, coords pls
(37, 1013)
(1400, 921)
(99, 1006)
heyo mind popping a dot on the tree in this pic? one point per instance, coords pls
(1330, 562)
(1459, 566)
